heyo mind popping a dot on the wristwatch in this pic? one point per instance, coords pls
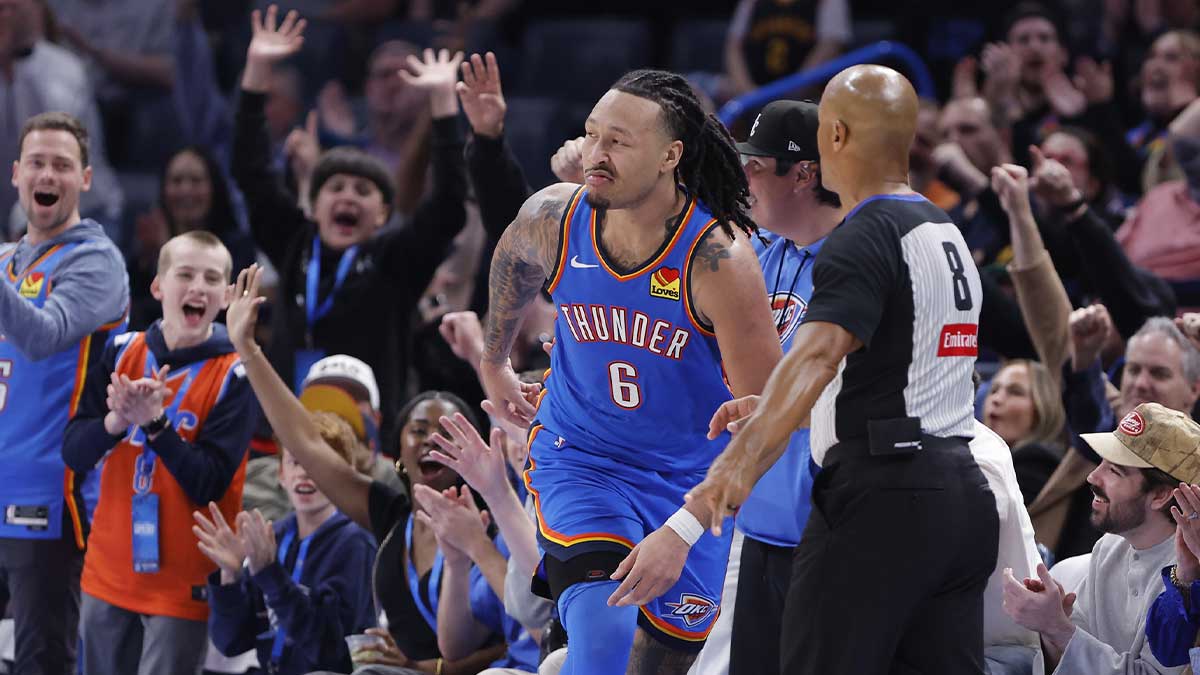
(156, 425)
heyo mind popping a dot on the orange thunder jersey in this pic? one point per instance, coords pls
(108, 571)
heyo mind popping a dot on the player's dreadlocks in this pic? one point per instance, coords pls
(710, 167)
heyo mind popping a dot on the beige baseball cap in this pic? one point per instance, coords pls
(1153, 436)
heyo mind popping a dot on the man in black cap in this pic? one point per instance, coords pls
(787, 200)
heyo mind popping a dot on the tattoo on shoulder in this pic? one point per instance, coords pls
(713, 249)
(542, 229)
(524, 256)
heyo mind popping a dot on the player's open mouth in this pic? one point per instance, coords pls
(45, 198)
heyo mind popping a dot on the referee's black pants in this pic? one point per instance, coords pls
(888, 578)
(764, 573)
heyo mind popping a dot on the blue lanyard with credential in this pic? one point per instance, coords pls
(143, 470)
(414, 580)
(313, 312)
(280, 633)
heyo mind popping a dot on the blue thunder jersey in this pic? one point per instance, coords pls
(37, 398)
(778, 507)
(634, 375)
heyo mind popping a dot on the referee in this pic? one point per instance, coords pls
(890, 571)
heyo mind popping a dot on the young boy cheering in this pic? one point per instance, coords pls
(172, 421)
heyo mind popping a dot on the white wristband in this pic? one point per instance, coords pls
(686, 526)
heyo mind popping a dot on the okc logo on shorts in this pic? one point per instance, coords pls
(788, 310)
(664, 283)
(693, 609)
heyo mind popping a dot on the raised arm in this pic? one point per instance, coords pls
(344, 486)
(526, 256)
(1040, 293)
(275, 218)
(412, 254)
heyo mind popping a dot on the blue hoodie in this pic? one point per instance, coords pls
(60, 301)
(332, 600)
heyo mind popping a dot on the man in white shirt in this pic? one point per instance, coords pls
(1008, 647)
(1104, 631)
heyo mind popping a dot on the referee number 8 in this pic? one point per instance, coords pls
(962, 291)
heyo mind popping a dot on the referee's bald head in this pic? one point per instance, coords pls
(868, 118)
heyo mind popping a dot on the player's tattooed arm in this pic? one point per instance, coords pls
(729, 294)
(525, 257)
(712, 250)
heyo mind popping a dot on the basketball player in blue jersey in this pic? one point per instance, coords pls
(63, 289)
(787, 199)
(660, 303)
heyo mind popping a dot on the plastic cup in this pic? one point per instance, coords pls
(365, 649)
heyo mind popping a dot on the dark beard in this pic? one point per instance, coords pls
(596, 202)
(1119, 518)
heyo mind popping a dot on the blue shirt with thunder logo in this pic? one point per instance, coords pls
(635, 374)
(777, 508)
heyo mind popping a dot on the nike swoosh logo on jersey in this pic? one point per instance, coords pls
(578, 265)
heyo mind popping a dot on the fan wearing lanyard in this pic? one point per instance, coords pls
(284, 546)
(314, 309)
(145, 502)
(427, 610)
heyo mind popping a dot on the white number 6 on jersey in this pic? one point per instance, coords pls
(622, 380)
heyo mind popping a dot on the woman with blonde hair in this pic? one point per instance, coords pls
(1024, 407)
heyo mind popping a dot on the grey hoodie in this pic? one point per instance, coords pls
(91, 288)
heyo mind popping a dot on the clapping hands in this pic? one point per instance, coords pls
(135, 402)
(220, 543)
(457, 523)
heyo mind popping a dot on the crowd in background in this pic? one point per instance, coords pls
(369, 167)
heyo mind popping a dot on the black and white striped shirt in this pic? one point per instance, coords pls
(897, 275)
